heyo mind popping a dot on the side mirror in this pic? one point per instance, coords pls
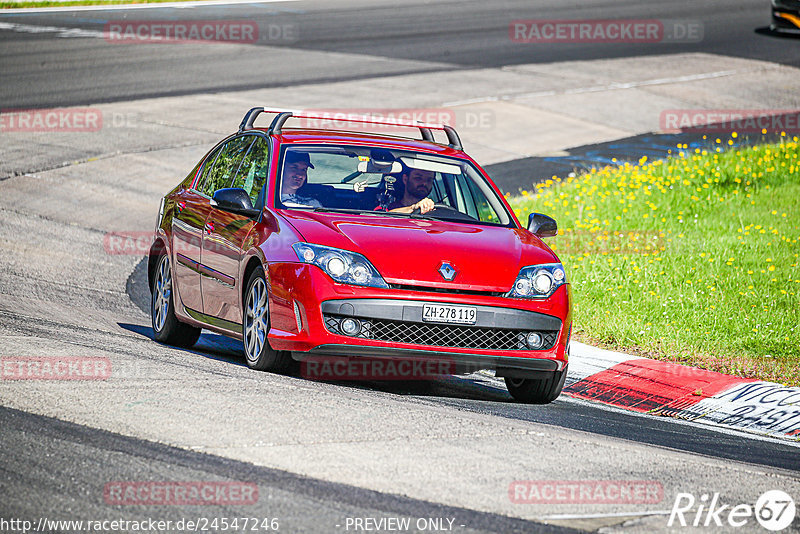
(542, 225)
(234, 200)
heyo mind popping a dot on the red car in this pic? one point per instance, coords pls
(311, 243)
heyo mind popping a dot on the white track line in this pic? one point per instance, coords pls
(60, 31)
(601, 88)
(596, 516)
(120, 7)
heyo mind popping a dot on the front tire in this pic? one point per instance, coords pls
(166, 327)
(537, 390)
(255, 328)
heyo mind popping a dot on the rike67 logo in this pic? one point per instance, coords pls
(774, 510)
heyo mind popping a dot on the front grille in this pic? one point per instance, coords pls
(441, 335)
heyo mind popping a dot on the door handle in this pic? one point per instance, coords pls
(209, 227)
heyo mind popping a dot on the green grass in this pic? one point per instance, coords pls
(47, 3)
(692, 259)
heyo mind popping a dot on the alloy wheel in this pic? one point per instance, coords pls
(255, 327)
(162, 294)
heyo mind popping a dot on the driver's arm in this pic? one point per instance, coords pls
(425, 205)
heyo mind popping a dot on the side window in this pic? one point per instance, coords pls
(478, 205)
(466, 195)
(209, 164)
(439, 192)
(254, 168)
(189, 180)
(449, 191)
(226, 165)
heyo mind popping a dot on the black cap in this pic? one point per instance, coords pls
(298, 157)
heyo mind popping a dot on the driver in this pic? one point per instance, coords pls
(417, 185)
(295, 175)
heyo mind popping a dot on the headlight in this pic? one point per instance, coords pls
(538, 281)
(342, 265)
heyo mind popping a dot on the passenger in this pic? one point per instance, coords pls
(295, 176)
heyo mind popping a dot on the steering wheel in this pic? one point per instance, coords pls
(449, 212)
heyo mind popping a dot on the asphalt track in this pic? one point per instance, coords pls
(81, 458)
(53, 69)
(55, 468)
(487, 395)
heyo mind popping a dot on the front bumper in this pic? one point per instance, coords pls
(306, 307)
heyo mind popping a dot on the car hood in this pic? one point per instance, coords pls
(410, 251)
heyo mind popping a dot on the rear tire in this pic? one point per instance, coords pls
(537, 390)
(255, 328)
(166, 327)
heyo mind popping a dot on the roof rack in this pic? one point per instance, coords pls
(285, 114)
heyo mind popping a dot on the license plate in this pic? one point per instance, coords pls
(440, 313)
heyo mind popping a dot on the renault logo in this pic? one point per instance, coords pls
(447, 271)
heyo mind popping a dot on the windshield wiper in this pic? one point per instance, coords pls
(369, 212)
(339, 210)
(374, 212)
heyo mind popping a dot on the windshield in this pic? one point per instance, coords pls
(374, 180)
